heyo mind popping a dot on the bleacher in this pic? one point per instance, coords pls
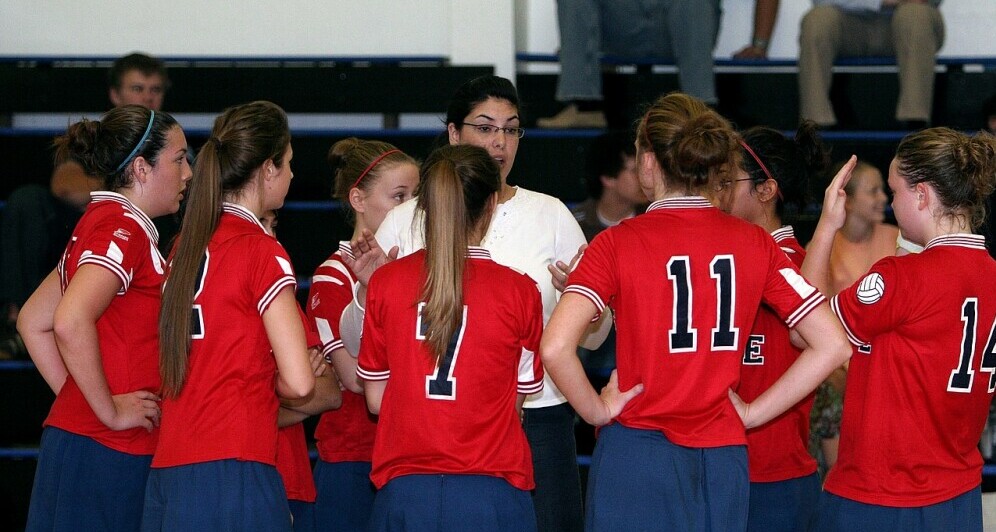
(550, 161)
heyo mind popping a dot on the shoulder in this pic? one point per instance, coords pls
(540, 201)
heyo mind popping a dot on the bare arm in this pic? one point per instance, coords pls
(597, 332)
(327, 395)
(558, 351)
(282, 320)
(75, 324)
(374, 393)
(765, 14)
(36, 324)
(828, 349)
(345, 367)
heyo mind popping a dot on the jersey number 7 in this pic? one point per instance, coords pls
(441, 384)
(683, 335)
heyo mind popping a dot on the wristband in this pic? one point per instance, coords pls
(759, 43)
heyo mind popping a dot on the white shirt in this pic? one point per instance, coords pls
(528, 232)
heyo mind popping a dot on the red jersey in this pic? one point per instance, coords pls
(778, 450)
(116, 235)
(685, 282)
(347, 433)
(916, 400)
(293, 462)
(228, 407)
(458, 417)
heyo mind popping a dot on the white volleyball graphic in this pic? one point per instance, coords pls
(871, 289)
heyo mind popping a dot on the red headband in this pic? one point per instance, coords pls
(374, 163)
(763, 168)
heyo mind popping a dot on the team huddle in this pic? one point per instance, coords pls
(439, 344)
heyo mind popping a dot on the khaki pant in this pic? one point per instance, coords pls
(912, 33)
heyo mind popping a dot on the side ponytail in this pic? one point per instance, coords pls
(457, 183)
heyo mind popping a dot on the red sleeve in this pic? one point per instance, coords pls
(117, 244)
(372, 364)
(873, 304)
(786, 291)
(530, 366)
(331, 292)
(595, 275)
(271, 272)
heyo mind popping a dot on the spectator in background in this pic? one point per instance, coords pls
(37, 222)
(685, 30)
(614, 192)
(910, 30)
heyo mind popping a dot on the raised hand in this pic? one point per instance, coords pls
(833, 214)
(368, 256)
(559, 271)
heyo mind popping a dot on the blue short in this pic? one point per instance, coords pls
(83, 485)
(217, 495)
(303, 514)
(786, 505)
(962, 513)
(452, 502)
(641, 481)
(345, 495)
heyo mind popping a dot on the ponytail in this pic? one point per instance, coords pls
(243, 138)
(457, 184)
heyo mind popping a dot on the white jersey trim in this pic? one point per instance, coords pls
(372, 375)
(130, 209)
(242, 212)
(108, 264)
(851, 337)
(590, 294)
(686, 202)
(271, 294)
(964, 240)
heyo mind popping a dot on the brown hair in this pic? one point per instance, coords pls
(106, 147)
(244, 137)
(457, 184)
(692, 143)
(960, 168)
(350, 157)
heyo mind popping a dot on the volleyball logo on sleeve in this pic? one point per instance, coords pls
(871, 289)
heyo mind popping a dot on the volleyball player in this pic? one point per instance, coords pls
(293, 462)
(91, 326)
(774, 174)
(370, 178)
(448, 354)
(685, 281)
(922, 378)
(229, 329)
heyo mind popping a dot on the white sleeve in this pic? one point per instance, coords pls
(351, 328)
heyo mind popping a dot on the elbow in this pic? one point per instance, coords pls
(842, 349)
(66, 326)
(298, 389)
(373, 406)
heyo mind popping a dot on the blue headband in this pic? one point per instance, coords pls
(145, 137)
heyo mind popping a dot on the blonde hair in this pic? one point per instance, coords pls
(457, 185)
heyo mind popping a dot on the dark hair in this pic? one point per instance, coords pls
(792, 163)
(244, 137)
(350, 157)
(606, 156)
(692, 143)
(145, 64)
(478, 90)
(988, 110)
(961, 169)
(457, 183)
(106, 147)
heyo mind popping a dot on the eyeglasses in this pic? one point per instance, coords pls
(489, 130)
(727, 183)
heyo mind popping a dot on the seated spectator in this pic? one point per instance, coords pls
(37, 222)
(910, 30)
(685, 30)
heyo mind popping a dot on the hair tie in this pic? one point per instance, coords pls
(145, 136)
(372, 165)
(763, 168)
(216, 141)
